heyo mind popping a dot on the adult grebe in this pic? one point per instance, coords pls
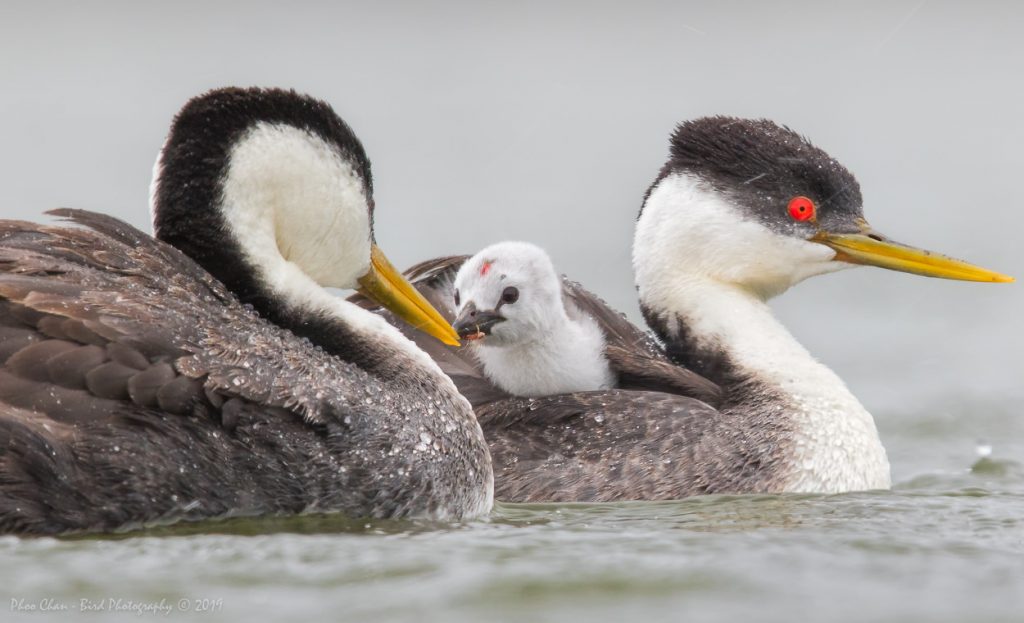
(137, 387)
(742, 211)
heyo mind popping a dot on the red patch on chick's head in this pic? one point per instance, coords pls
(486, 268)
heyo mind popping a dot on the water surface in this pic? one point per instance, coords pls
(947, 544)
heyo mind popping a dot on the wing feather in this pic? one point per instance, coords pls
(108, 282)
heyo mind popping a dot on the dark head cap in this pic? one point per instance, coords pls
(761, 166)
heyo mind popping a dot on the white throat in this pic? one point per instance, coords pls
(570, 358)
(837, 447)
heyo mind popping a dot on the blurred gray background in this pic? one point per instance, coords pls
(496, 120)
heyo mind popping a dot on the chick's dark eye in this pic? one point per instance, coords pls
(510, 295)
(456, 298)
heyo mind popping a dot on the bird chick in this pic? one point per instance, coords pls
(528, 338)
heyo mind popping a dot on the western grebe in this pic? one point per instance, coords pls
(743, 210)
(140, 386)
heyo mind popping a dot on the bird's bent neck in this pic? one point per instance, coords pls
(569, 357)
(730, 335)
(287, 216)
(298, 303)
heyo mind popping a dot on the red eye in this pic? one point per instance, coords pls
(801, 208)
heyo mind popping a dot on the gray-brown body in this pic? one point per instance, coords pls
(134, 388)
(665, 432)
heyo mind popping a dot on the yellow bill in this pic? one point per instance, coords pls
(875, 250)
(385, 285)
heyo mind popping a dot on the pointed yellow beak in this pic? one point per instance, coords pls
(385, 285)
(873, 249)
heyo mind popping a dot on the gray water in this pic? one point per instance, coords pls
(947, 544)
(490, 121)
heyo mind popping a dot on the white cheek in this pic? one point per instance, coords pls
(688, 229)
(771, 264)
(818, 260)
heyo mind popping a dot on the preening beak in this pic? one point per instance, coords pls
(473, 322)
(873, 249)
(385, 285)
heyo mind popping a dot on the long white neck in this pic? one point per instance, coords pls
(691, 252)
(568, 358)
(836, 445)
